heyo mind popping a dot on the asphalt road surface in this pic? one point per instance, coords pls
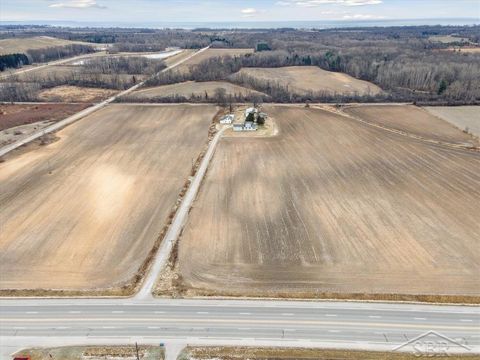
(375, 326)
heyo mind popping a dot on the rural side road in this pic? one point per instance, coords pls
(177, 224)
(58, 125)
(348, 325)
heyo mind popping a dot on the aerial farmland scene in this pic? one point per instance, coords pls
(229, 179)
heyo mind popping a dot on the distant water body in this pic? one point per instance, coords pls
(321, 24)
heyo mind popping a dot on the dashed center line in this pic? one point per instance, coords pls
(334, 331)
(159, 312)
(74, 312)
(417, 318)
(202, 312)
(108, 327)
(153, 327)
(375, 316)
(245, 313)
(32, 312)
(118, 312)
(331, 315)
(287, 314)
(466, 320)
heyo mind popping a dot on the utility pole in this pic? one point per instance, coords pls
(136, 350)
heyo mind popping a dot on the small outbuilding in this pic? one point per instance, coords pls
(237, 127)
(227, 119)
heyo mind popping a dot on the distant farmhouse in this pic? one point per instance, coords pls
(253, 118)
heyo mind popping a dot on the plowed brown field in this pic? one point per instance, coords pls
(83, 212)
(304, 79)
(332, 205)
(413, 120)
(466, 118)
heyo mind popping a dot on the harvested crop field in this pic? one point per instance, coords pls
(304, 79)
(21, 45)
(413, 120)
(84, 212)
(463, 117)
(198, 89)
(334, 207)
(67, 93)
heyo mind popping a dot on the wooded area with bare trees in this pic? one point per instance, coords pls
(408, 69)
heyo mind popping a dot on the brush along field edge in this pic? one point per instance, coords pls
(57, 126)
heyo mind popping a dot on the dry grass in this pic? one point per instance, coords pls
(21, 45)
(304, 79)
(446, 39)
(462, 117)
(60, 72)
(188, 88)
(334, 207)
(414, 120)
(179, 57)
(463, 50)
(12, 115)
(84, 213)
(233, 353)
(94, 353)
(68, 93)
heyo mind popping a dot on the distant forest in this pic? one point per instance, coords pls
(401, 60)
(407, 62)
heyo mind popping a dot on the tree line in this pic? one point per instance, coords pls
(405, 66)
(16, 61)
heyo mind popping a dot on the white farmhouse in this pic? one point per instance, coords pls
(227, 119)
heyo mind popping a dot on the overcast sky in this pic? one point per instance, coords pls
(233, 10)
